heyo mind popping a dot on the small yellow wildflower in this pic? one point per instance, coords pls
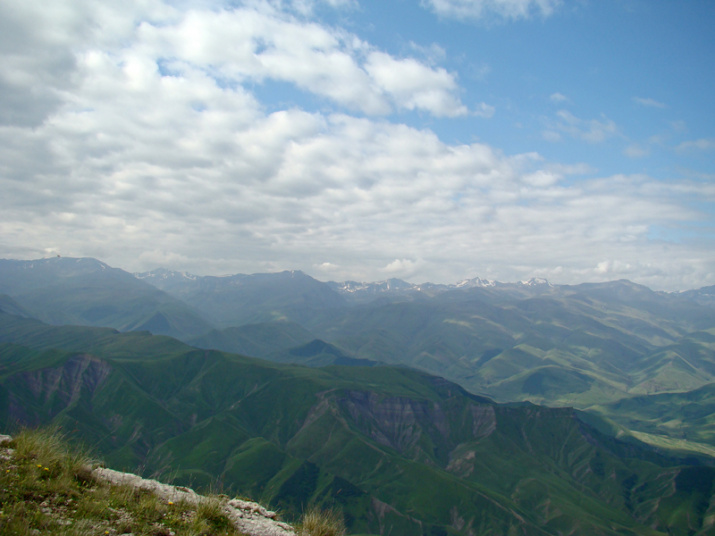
(47, 468)
(171, 502)
(39, 465)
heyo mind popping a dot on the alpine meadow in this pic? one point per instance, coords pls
(349, 267)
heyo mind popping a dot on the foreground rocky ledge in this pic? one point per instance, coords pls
(249, 518)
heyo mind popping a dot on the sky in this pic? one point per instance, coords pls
(428, 140)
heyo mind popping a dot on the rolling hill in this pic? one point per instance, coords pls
(399, 451)
(680, 416)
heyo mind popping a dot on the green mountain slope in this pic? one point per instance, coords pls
(280, 341)
(401, 452)
(257, 340)
(565, 346)
(250, 299)
(682, 416)
(317, 353)
(10, 306)
(88, 292)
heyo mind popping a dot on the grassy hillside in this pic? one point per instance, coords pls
(257, 340)
(49, 486)
(249, 299)
(568, 346)
(679, 416)
(396, 450)
(88, 292)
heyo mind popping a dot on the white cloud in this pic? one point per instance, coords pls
(558, 98)
(636, 150)
(541, 178)
(401, 267)
(248, 44)
(591, 130)
(433, 53)
(485, 110)
(306, 7)
(327, 267)
(413, 85)
(154, 147)
(256, 45)
(551, 135)
(222, 193)
(703, 144)
(650, 103)
(507, 9)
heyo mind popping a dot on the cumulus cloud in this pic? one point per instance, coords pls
(291, 189)
(155, 148)
(413, 85)
(400, 267)
(246, 44)
(506, 9)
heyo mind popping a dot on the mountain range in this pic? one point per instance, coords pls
(578, 345)
(500, 339)
(397, 450)
(393, 420)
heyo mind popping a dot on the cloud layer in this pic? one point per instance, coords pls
(139, 136)
(506, 9)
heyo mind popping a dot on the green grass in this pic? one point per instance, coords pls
(47, 487)
(688, 416)
(317, 522)
(674, 444)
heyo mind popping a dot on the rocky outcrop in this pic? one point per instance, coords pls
(399, 422)
(248, 517)
(56, 388)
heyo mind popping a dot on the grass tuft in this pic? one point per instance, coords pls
(317, 522)
(210, 517)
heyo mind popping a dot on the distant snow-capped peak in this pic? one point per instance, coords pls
(535, 282)
(163, 273)
(475, 282)
(377, 286)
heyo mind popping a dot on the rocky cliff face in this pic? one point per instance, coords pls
(53, 389)
(402, 422)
